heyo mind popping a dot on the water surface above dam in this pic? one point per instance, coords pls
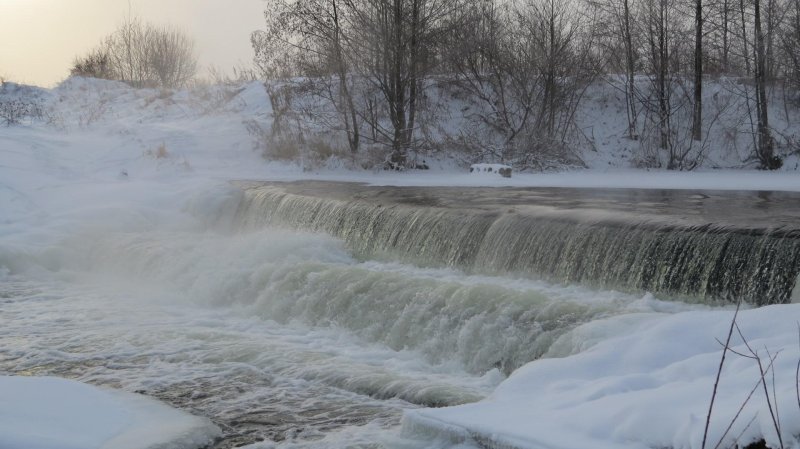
(706, 245)
(745, 210)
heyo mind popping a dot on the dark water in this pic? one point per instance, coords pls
(698, 245)
(397, 298)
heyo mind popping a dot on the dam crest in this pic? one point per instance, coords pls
(681, 244)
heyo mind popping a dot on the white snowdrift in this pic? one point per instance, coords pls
(53, 413)
(646, 384)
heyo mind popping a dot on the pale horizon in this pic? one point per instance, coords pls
(39, 39)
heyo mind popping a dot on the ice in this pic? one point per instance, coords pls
(54, 413)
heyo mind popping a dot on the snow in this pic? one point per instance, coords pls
(53, 413)
(646, 383)
(636, 381)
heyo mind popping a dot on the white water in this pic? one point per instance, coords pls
(277, 335)
(104, 278)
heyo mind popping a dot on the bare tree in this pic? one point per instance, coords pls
(395, 44)
(765, 150)
(672, 108)
(310, 38)
(725, 32)
(630, 64)
(527, 65)
(519, 69)
(170, 56)
(142, 55)
(95, 64)
(497, 68)
(658, 36)
(791, 44)
(618, 20)
(697, 113)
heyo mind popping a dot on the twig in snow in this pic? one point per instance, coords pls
(749, 423)
(797, 371)
(741, 409)
(775, 421)
(719, 373)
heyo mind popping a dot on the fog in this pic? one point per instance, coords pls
(40, 38)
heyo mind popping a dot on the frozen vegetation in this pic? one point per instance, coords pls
(117, 268)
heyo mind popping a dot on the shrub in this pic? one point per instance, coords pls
(18, 103)
(142, 55)
(96, 64)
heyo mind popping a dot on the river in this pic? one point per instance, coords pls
(288, 328)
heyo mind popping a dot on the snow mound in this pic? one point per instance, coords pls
(53, 413)
(9, 89)
(645, 383)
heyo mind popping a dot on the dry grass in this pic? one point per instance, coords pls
(159, 152)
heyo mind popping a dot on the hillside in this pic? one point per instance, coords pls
(205, 128)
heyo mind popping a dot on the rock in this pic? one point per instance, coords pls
(501, 169)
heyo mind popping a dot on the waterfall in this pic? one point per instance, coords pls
(684, 251)
(355, 302)
(480, 324)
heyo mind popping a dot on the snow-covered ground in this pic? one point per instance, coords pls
(109, 159)
(53, 413)
(635, 382)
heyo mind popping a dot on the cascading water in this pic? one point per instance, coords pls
(679, 245)
(279, 335)
(378, 300)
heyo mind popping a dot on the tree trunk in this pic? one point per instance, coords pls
(397, 104)
(765, 148)
(663, 65)
(744, 38)
(697, 116)
(725, 10)
(349, 115)
(769, 59)
(414, 56)
(630, 91)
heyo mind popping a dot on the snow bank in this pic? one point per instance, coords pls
(48, 412)
(646, 384)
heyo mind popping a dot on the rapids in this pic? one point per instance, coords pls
(300, 320)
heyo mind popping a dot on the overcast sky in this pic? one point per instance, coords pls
(40, 38)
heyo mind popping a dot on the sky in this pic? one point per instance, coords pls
(40, 38)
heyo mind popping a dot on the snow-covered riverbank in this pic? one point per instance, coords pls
(53, 413)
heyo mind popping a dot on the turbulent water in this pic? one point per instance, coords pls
(284, 337)
(707, 247)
